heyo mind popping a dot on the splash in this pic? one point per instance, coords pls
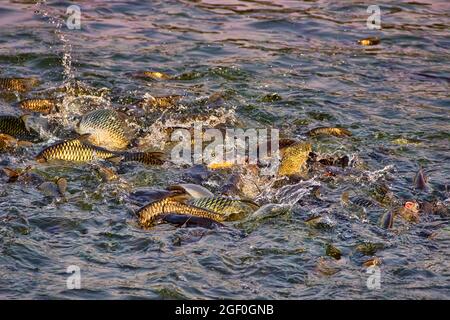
(51, 15)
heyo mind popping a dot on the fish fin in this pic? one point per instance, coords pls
(12, 174)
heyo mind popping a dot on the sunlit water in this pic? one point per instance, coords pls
(307, 53)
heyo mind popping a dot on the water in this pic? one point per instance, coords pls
(307, 53)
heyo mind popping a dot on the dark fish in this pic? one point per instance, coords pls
(18, 128)
(17, 84)
(38, 105)
(154, 211)
(369, 41)
(341, 162)
(148, 158)
(329, 131)
(191, 221)
(54, 189)
(230, 187)
(420, 180)
(332, 251)
(369, 248)
(387, 220)
(24, 176)
(74, 150)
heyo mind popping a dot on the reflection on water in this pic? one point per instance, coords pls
(392, 96)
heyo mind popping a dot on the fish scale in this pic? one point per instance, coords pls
(17, 84)
(105, 127)
(38, 105)
(153, 211)
(74, 150)
(149, 158)
(232, 209)
(16, 127)
(294, 159)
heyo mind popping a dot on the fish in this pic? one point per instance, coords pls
(154, 75)
(332, 251)
(54, 189)
(160, 102)
(375, 261)
(22, 175)
(369, 248)
(420, 180)
(149, 158)
(327, 267)
(362, 202)
(106, 174)
(106, 129)
(75, 150)
(329, 131)
(231, 185)
(190, 191)
(17, 84)
(371, 41)
(320, 222)
(45, 106)
(410, 211)
(224, 165)
(7, 141)
(387, 220)
(17, 127)
(191, 221)
(294, 158)
(149, 214)
(232, 209)
(340, 161)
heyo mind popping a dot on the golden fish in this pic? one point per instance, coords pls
(330, 131)
(106, 129)
(369, 41)
(74, 150)
(232, 209)
(38, 105)
(293, 161)
(155, 75)
(160, 102)
(17, 84)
